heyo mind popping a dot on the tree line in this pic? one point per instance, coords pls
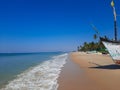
(92, 46)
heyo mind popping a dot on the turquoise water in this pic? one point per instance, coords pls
(13, 64)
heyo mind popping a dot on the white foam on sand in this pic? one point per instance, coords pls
(41, 77)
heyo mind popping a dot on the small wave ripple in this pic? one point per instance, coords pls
(41, 77)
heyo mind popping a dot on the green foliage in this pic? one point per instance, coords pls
(92, 46)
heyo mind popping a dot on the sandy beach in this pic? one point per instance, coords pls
(89, 72)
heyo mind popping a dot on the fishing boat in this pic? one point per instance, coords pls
(113, 46)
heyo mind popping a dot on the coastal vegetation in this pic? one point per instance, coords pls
(93, 46)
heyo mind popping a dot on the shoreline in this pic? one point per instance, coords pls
(39, 77)
(89, 72)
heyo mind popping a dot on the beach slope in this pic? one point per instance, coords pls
(89, 72)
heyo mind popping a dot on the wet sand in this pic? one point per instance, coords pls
(89, 72)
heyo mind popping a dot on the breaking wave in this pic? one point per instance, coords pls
(41, 77)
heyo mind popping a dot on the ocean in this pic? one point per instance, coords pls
(31, 71)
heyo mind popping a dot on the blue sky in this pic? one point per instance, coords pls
(53, 25)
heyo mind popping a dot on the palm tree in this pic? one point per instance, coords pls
(95, 36)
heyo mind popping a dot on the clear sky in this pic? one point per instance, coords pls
(53, 25)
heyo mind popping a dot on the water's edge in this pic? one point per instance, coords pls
(41, 77)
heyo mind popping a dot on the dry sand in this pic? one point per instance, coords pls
(89, 72)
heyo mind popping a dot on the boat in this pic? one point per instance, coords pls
(113, 46)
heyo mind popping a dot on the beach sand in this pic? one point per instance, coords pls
(89, 72)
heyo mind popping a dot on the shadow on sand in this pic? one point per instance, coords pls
(111, 66)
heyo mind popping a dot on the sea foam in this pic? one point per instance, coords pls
(41, 77)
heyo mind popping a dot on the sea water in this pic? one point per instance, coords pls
(31, 71)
